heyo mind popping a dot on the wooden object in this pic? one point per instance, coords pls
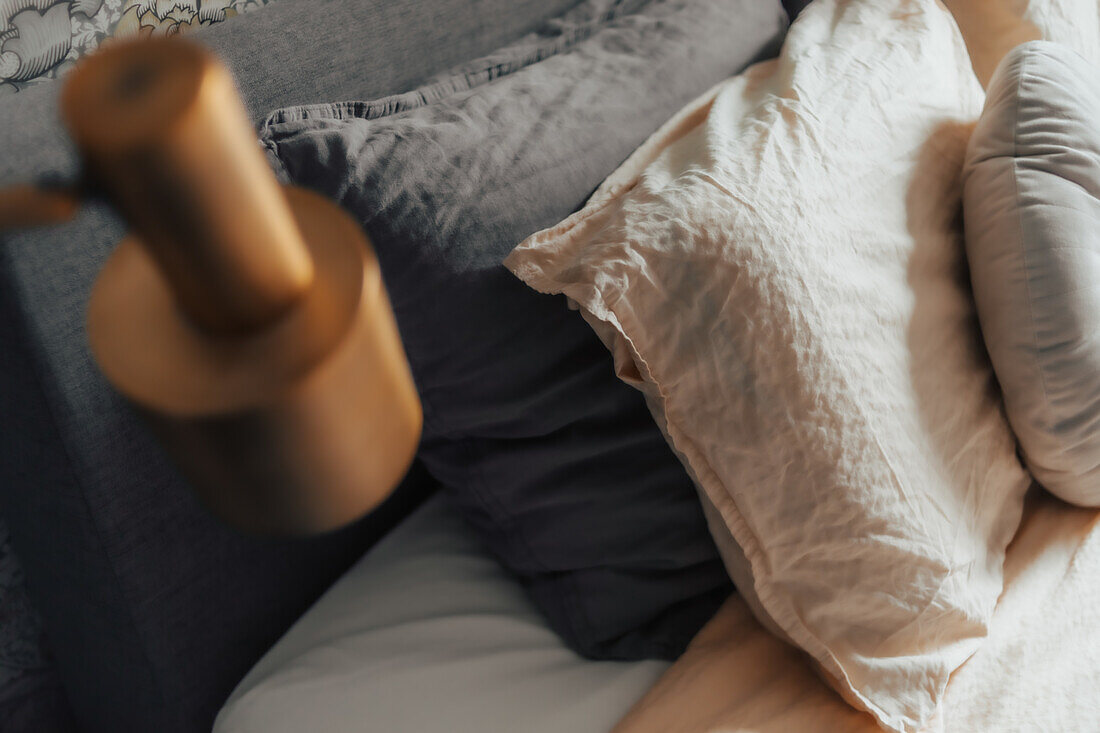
(247, 321)
(29, 206)
(162, 130)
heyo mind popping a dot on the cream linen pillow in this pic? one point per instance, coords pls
(780, 270)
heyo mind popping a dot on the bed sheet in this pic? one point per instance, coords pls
(1039, 669)
(428, 630)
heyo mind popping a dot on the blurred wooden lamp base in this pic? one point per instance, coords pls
(248, 322)
(297, 427)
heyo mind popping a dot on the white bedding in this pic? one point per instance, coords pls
(426, 633)
(1039, 669)
(827, 182)
(787, 279)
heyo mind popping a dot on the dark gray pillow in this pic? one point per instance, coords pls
(556, 462)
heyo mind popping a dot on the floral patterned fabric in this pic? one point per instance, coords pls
(42, 39)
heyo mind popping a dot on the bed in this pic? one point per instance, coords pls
(424, 625)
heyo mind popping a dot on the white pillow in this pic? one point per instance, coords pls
(780, 270)
(1032, 190)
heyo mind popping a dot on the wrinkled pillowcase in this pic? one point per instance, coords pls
(1032, 209)
(780, 271)
(558, 465)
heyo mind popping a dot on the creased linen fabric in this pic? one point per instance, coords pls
(780, 270)
(1037, 670)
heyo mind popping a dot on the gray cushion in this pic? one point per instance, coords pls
(556, 462)
(152, 609)
(427, 633)
(1032, 209)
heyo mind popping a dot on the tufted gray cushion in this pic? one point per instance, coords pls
(1032, 209)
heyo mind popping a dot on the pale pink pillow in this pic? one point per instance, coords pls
(780, 270)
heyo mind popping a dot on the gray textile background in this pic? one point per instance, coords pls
(153, 610)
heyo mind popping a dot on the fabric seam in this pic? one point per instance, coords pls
(460, 81)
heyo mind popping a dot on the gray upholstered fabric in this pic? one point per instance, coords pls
(1032, 209)
(427, 633)
(30, 691)
(555, 461)
(152, 609)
